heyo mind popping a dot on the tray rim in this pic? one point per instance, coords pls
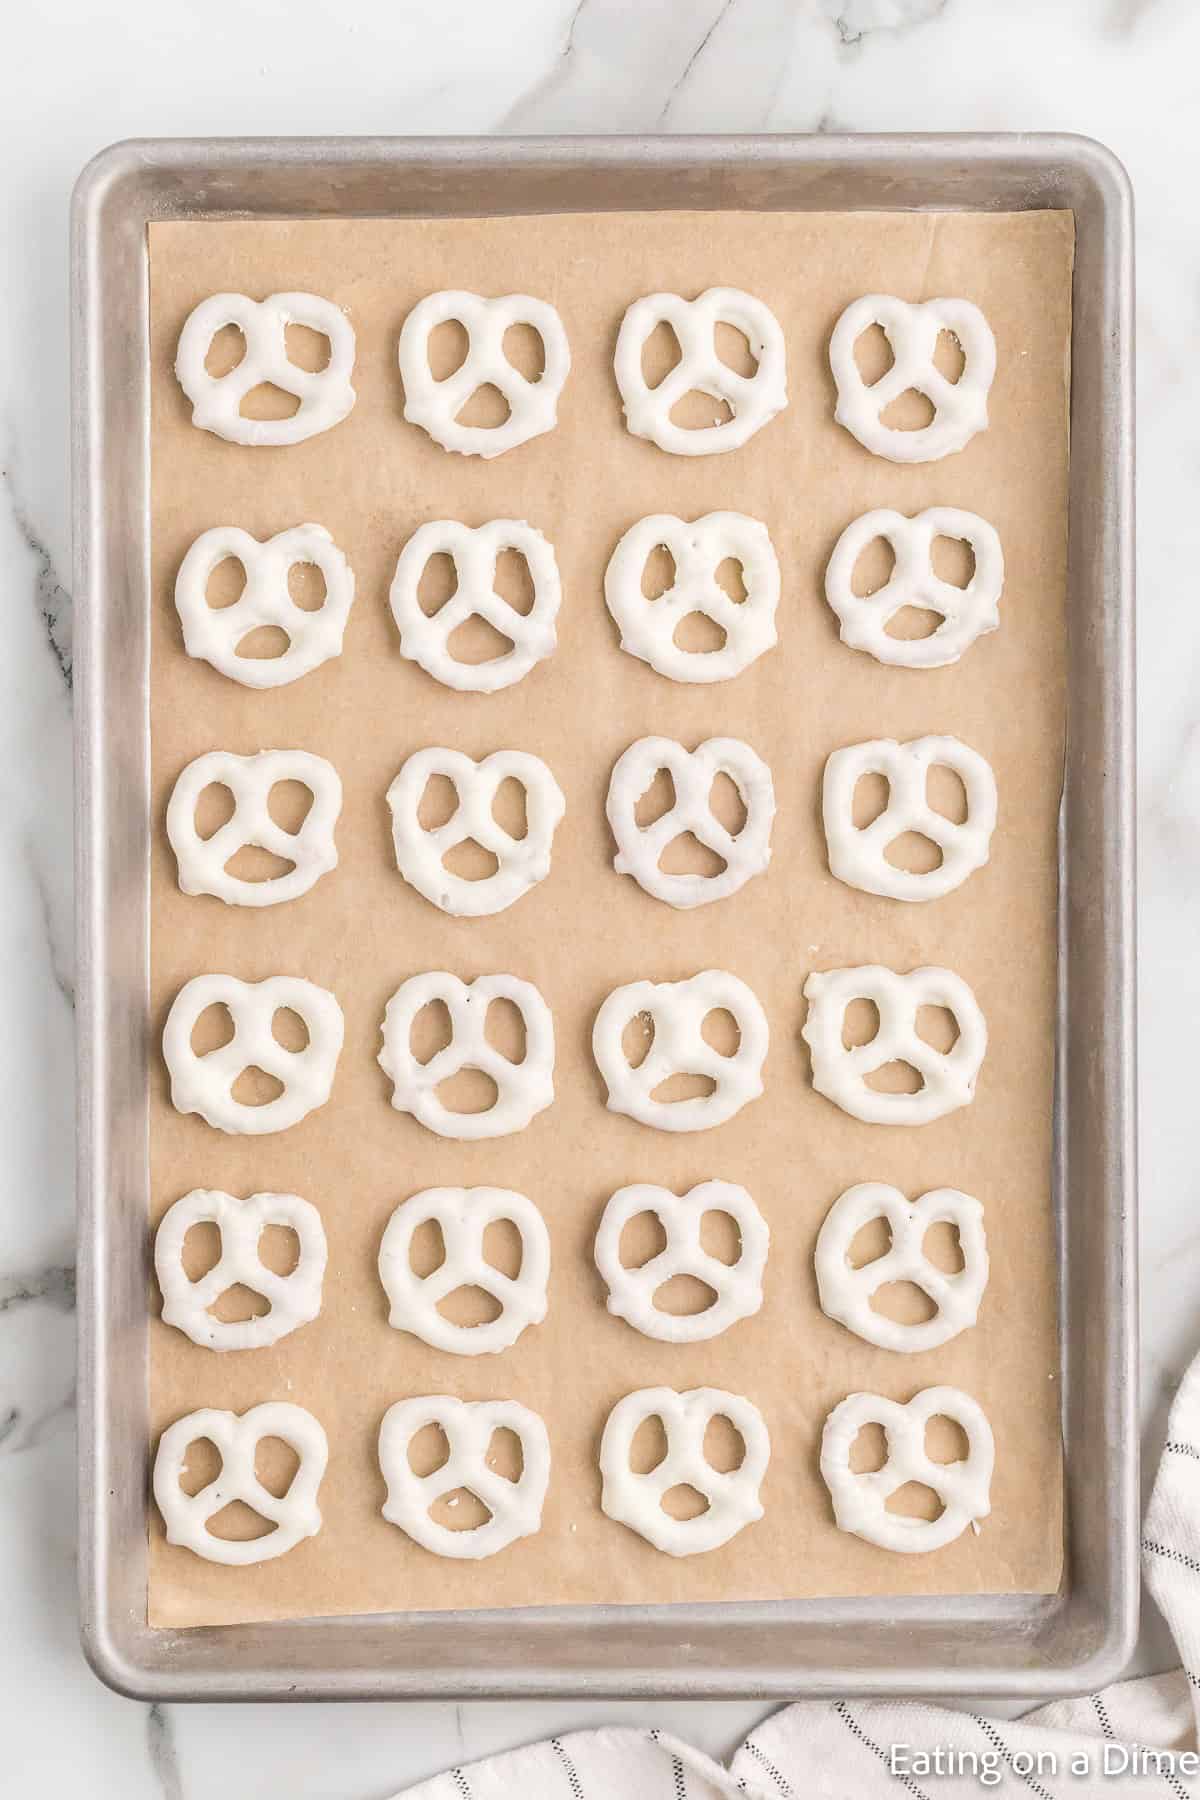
(1080, 1640)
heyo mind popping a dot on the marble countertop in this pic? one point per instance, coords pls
(1124, 71)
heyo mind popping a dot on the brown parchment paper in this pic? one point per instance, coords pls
(362, 931)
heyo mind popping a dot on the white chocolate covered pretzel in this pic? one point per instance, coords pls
(948, 1077)
(860, 1500)
(736, 1286)
(250, 779)
(463, 1216)
(295, 1514)
(697, 549)
(325, 395)
(214, 633)
(425, 639)
(846, 1291)
(966, 613)
(753, 400)
(523, 1089)
(204, 1084)
(960, 408)
(858, 855)
(521, 862)
(435, 405)
(468, 1426)
(292, 1300)
(636, 1500)
(640, 849)
(677, 1011)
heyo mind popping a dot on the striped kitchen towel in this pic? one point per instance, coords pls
(1137, 1738)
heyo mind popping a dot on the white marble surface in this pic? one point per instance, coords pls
(75, 77)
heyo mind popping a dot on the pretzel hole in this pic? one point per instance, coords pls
(266, 401)
(913, 852)
(724, 1445)
(721, 1236)
(426, 1249)
(476, 640)
(431, 1031)
(279, 1249)
(657, 801)
(643, 1237)
(276, 1465)
(438, 582)
(438, 803)
(289, 1030)
(251, 862)
(201, 1250)
(289, 804)
(860, 1023)
(213, 1029)
(915, 1501)
(238, 1523)
(202, 1463)
(637, 1038)
(873, 354)
(720, 1031)
(683, 1085)
(255, 1087)
(904, 1303)
(226, 583)
(307, 586)
(937, 1027)
(897, 1077)
(686, 855)
(225, 352)
(504, 1029)
(910, 411)
(460, 1510)
(447, 348)
(510, 808)
(945, 1440)
(238, 1304)
(513, 580)
(684, 1502)
(872, 793)
(215, 806)
(428, 1450)
(648, 1446)
(469, 1307)
(306, 347)
(869, 1243)
(659, 573)
(485, 409)
(264, 643)
(949, 357)
(699, 411)
(911, 622)
(730, 577)
(661, 352)
(873, 568)
(946, 793)
(503, 1249)
(869, 1451)
(684, 1296)
(733, 349)
(699, 635)
(726, 805)
(523, 347)
(952, 560)
(468, 1091)
(504, 1455)
(471, 861)
(942, 1246)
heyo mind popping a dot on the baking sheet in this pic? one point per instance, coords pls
(362, 931)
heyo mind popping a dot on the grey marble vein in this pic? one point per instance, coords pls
(163, 1752)
(856, 20)
(55, 1286)
(692, 60)
(53, 600)
(62, 960)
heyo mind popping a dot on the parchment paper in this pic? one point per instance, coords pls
(362, 931)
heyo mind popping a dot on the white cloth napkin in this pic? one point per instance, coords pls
(1136, 1738)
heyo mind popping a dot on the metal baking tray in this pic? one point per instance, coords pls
(1011, 1645)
